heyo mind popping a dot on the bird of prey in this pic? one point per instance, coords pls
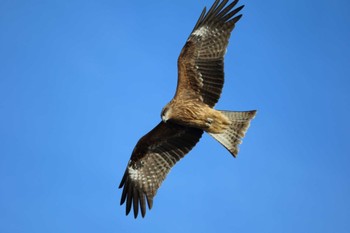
(190, 112)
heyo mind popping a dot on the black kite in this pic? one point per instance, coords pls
(190, 112)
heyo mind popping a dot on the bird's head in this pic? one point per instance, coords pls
(165, 115)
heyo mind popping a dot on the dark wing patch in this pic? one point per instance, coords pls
(153, 157)
(201, 61)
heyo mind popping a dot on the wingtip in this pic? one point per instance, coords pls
(238, 17)
(238, 9)
(122, 182)
(253, 113)
(143, 213)
(135, 214)
(134, 200)
(234, 154)
(149, 202)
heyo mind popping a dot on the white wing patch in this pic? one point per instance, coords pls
(200, 77)
(134, 173)
(201, 31)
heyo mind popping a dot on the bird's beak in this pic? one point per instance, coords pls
(164, 119)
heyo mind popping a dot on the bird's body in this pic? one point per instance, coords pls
(190, 112)
(195, 114)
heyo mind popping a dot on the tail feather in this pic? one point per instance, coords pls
(232, 137)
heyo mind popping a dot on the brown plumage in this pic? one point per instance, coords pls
(190, 112)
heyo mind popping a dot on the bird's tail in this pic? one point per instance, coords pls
(232, 136)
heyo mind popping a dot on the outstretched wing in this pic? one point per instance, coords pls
(153, 157)
(201, 61)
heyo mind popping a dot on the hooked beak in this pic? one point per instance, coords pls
(164, 119)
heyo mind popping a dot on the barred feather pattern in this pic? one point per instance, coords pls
(152, 159)
(201, 61)
(232, 137)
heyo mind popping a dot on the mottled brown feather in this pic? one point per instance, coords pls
(153, 157)
(201, 61)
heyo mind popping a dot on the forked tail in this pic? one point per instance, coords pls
(232, 137)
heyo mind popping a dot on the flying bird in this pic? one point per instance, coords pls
(190, 112)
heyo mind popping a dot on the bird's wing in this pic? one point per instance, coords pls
(153, 157)
(201, 61)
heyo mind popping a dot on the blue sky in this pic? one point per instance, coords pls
(82, 81)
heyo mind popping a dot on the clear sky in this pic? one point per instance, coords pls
(82, 81)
